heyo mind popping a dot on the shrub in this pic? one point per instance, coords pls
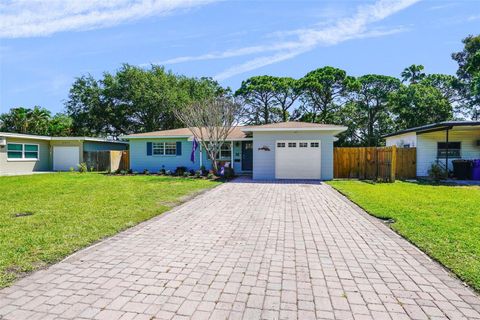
(82, 167)
(198, 174)
(123, 172)
(211, 176)
(186, 174)
(437, 172)
(162, 171)
(129, 171)
(168, 173)
(146, 171)
(180, 171)
(72, 169)
(228, 173)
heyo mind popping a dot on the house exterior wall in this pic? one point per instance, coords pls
(139, 160)
(13, 166)
(264, 161)
(427, 147)
(103, 146)
(402, 139)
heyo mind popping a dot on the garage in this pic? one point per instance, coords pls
(298, 159)
(65, 158)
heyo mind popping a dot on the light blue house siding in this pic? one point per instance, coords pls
(264, 161)
(139, 160)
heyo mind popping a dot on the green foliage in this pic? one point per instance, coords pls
(259, 94)
(413, 74)
(133, 99)
(324, 92)
(368, 115)
(417, 105)
(437, 172)
(443, 221)
(82, 167)
(37, 120)
(469, 73)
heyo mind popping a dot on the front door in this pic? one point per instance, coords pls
(247, 155)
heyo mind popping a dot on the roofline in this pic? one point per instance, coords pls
(439, 125)
(48, 138)
(336, 128)
(155, 137)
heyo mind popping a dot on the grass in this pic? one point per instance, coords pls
(443, 221)
(44, 218)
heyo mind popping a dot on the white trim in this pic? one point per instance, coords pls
(164, 149)
(156, 137)
(35, 137)
(337, 129)
(23, 136)
(23, 159)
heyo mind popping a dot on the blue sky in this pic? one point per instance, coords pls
(44, 45)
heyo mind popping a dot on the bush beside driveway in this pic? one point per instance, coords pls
(44, 218)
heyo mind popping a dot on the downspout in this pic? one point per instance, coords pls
(446, 155)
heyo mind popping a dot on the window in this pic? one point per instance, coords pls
(164, 148)
(314, 144)
(303, 145)
(453, 149)
(280, 144)
(292, 144)
(226, 151)
(22, 151)
(406, 145)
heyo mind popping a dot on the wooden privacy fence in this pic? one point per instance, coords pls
(385, 164)
(107, 160)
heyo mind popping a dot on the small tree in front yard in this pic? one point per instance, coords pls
(211, 121)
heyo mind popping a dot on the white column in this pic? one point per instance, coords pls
(201, 155)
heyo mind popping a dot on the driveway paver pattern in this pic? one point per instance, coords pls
(248, 251)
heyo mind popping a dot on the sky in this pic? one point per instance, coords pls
(45, 45)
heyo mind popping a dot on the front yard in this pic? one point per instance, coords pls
(44, 218)
(444, 221)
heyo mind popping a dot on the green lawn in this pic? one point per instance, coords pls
(444, 221)
(72, 210)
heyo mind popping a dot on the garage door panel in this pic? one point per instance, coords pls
(65, 158)
(297, 159)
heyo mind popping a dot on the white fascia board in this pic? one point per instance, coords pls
(336, 129)
(154, 137)
(24, 136)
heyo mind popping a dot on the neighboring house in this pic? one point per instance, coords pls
(23, 153)
(440, 143)
(287, 150)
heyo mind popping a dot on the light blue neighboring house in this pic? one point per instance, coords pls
(286, 150)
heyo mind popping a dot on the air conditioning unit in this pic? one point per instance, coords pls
(3, 141)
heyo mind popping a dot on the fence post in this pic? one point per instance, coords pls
(393, 166)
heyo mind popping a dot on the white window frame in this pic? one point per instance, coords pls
(23, 152)
(223, 149)
(162, 147)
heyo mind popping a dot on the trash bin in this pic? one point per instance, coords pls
(462, 169)
(476, 169)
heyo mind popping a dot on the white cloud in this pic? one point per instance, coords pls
(290, 44)
(31, 18)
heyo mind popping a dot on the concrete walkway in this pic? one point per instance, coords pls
(247, 251)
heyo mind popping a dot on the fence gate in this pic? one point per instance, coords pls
(386, 163)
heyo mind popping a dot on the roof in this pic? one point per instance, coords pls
(48, 138)
(433, 126)
(241, 132)
(235, 134)
(296, 126)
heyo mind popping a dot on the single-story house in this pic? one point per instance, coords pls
(23, 153)
(440, 142)
(286, 150)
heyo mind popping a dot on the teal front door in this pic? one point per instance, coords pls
(247, 155)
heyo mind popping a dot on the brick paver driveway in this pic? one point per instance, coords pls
(248, 251)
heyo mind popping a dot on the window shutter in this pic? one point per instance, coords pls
(179, 148)
(149, 148)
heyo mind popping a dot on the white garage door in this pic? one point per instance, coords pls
(297, 159)
(65, 158)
